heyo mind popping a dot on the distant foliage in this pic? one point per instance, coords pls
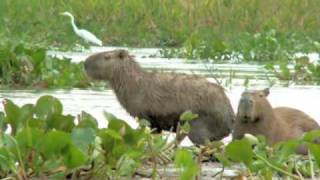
(299, 71)
(262, 47)
(220, 24)
(22, 65)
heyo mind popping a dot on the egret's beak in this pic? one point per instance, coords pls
(61, 14)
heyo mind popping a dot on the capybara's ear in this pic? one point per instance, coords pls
(107, 56)
(266, 91)
(123, 54)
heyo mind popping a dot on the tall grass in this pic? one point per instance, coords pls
(157, 22)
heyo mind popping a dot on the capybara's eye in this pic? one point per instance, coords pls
(123, 54)
(107, 57)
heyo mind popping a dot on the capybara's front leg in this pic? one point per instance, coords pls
(202, 130)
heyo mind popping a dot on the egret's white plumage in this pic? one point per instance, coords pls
(84, 34)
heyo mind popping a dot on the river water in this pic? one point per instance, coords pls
(305, 98)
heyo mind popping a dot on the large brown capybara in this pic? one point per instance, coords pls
(256, 116)
(160, 98)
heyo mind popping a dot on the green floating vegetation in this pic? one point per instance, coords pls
(38, 140)
(23, 65)
(300, 70)
(265, 46)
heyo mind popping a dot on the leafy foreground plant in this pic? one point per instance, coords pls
(29, 66)
(278, 161)
(39, 141)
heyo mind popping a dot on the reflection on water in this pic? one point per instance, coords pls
(304, 98)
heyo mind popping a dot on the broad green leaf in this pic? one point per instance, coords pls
(11, 144)
(74, 157)
(26, 113)
(183, 158)
(46, 106)
(12, 114)
(109, 116)
(37, 123)
(87, 121)
(240, 151)
(184, 161)
(117, 124)
(28, 138)
(60, 122)
(54, 142)
(83, 137)
(3, 124)
(7, 161)
(107, 142)
(113, 134)
(126, 166)
(188, 116)
(185, 128)
(251, 138)
(257, 166)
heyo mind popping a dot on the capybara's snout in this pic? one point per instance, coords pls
(92, 66)
(89, 64)
(245, 109)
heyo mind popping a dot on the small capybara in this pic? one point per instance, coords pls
(160, 98)
(256, 116)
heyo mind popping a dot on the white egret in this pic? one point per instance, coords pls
(84, 34)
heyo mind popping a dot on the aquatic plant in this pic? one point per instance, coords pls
(39, 140)
(300, 71)
(22, 65)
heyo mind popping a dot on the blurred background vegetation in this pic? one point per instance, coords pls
(161, 23)
(267, 32)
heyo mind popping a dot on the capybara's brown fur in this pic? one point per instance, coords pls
(256, 116)
(160, 98)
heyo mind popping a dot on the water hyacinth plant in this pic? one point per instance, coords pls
(38, 140)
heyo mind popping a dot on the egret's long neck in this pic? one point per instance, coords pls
(75, 28)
